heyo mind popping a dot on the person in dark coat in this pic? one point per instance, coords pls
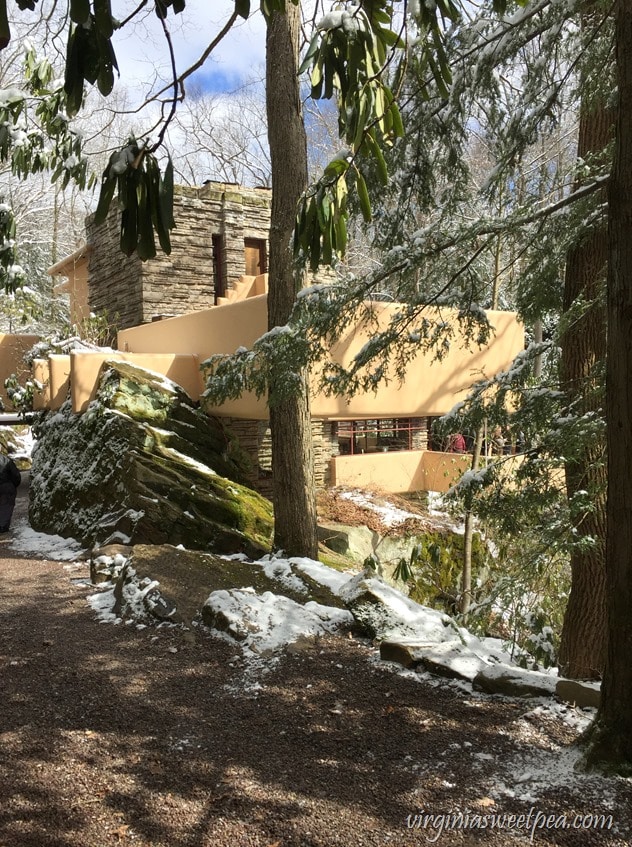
(10, 478)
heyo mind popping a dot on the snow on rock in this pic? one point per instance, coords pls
(320, 574)
(386, 613)
(281, 570)
(514, 681)
(264, 623)
(107, 563)
(449, 658)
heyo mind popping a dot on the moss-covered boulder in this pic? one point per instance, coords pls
(143, 465)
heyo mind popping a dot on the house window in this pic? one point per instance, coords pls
(382, 435)
(219, 266)
(255, 255)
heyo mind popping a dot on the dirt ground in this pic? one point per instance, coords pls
(164, 737)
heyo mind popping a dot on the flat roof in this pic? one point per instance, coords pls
(60, 267)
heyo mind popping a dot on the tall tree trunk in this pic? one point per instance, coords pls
(468, 533)
(583, 641)
(538, 337)
(290, 420)
(611, 737)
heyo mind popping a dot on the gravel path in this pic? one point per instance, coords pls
(113, 735)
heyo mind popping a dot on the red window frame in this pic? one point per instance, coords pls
(376, 435)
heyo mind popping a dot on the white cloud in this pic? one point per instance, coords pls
(143, 56)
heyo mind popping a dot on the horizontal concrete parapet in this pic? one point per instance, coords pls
(220, 329)
(183, 369)
(431, 387)
(400, 471)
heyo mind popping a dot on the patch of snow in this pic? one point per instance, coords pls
(323, 575)
(11, 96)
(264, 623)
(26, 540)
(281, 570)
(533, 775)
(102, 603)
(390, 515)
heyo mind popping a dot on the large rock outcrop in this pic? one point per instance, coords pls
(143, 465)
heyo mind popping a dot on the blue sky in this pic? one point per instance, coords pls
(238, 56)
(217, 80)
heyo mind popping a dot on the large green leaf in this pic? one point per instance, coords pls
(146, 248)
(166, 196)
(363, 197)
(128, 198)
(162, 6)
(79, 11)
(103, 17)
(89, 58)
(108, 187)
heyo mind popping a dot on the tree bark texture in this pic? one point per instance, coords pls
(583, 640)
(290, 420)
(468, 533)
(611, 739)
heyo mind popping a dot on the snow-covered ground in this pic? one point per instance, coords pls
(262, 624)
(38, 544)
(265, 623)
(268, 622)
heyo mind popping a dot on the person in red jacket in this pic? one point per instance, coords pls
(457, 444)
(10, 478)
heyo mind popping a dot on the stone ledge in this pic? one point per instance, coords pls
(454, 660)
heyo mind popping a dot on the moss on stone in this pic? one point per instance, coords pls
(153, 471)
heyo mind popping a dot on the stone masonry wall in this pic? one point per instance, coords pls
(183, 281)
(420, 433)
(254, 439)
(114, 280)
(246, 214)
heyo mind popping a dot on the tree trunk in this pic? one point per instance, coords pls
(538, 336)
(611, 736)
(290, 420)
(468, 533)
(583, 641)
